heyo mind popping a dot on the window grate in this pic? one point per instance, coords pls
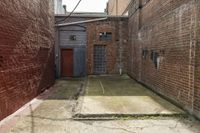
(99, 59)
(105, 36)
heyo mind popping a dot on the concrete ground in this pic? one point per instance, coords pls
(55, 113)
(116, 96)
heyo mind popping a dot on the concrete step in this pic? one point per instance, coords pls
(127, 116)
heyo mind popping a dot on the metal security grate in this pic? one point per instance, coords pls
(105, 36)
(99, 59)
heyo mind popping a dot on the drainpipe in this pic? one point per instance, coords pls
(120, 71)
(65, 9)
(120, 49)
(80, 22)
(117, 7)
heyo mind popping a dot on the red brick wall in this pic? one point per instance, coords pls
(133, 50)
(26, 52)
(197, 63)
(168, 28)
(118, 28)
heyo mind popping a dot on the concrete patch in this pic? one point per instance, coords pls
(115, 95)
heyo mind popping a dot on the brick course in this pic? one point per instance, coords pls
(169, 29)
(26, 51)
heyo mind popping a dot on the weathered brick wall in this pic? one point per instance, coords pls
(133, 50)
(122, 6)
(26, 51)
(164, 49)
(116, 48)
(197, 63)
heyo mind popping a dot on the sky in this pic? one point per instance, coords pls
(86, 5)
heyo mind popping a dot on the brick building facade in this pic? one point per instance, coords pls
(109, 35)
(26, 52)
(116, 46)
(164, 49)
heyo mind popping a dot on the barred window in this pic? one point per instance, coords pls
(105, 36)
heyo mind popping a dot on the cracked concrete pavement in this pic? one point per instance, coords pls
(120, 95)
(54, 115)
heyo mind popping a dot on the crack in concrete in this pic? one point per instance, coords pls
(78, 100)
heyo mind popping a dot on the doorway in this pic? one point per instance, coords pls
(100, 59)
(67, 62)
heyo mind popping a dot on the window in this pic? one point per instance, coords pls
(105, 36)
(155, 57)
(145, 53)
(72, 37)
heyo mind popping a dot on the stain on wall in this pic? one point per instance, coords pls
(168, 29)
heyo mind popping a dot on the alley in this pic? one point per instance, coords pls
(97, 96)
(99, 66)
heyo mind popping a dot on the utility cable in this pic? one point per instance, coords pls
(70, 12)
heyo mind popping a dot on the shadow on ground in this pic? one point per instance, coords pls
(54, 115)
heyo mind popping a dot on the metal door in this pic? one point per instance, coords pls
(100, 59)
(67, 62)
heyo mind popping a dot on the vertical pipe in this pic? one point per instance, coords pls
(117, 7)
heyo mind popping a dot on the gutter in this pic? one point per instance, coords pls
(80, 22)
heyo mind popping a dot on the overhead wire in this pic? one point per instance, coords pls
(70, 13)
